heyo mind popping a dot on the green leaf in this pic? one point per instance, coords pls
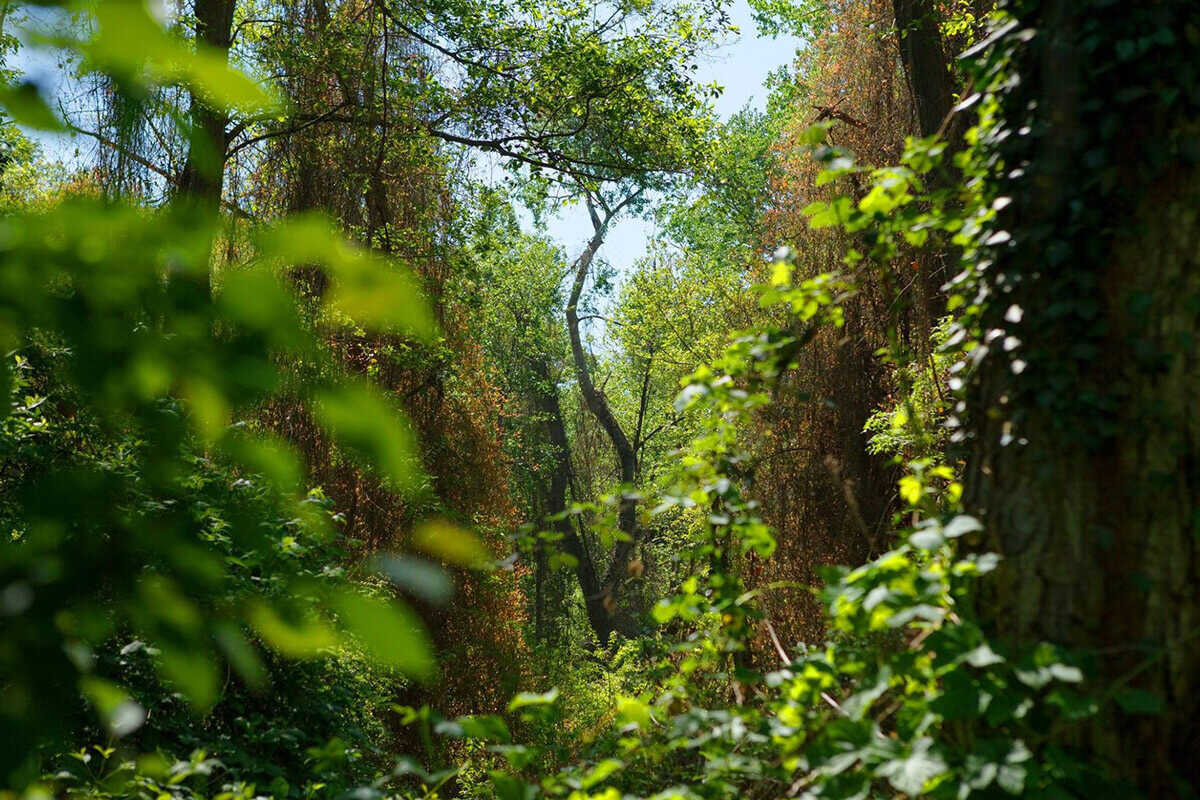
(381, 296)
(910, 774)
(525, 699)
(389, 631)
(601, 772)
(363, 420)
(297, 638)
(489, 727)
(1140, 701)
(511, 788)
(519, 756)
(120, 713)
(451, 544)
(255, 300)
(24, 103)
(193, 672)
(370, 290)
(241, 655)
(270, 456)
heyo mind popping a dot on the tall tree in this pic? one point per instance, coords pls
(202, 179)
(1083, 427)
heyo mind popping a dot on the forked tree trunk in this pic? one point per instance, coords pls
(627, 465)
(1085, 438)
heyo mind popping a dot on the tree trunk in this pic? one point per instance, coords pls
(1085, 435)
(203, 177)
(925, 64)
(932, 86)
(623, 549)
(585, 569)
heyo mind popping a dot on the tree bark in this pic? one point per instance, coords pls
(1084, 458)
(585, 569)
(925, 64)
(203, 178)
(597, 404)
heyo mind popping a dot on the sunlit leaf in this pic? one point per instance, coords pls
(451, 544)
(297, 638)
(389, 631)
(363, 421)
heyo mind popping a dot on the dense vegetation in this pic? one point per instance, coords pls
(328, 471)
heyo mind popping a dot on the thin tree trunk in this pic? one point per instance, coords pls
(598, 405)
(585, 570)
(924, 58)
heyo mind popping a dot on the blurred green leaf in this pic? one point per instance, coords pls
(302, 638)
(25, 104)
(120, 713)
(451, 544)
(361, 419)
(389, 630)
(372, 291)
(525, 699)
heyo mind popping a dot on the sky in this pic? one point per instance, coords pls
(741, 67)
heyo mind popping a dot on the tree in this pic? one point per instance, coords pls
(1081, 430)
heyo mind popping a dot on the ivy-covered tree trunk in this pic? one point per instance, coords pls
(1083, 415)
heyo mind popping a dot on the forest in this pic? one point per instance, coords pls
(494, 399)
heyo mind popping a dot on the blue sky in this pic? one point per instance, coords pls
(741, 67)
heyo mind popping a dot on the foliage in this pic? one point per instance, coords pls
(234, 437)
(137, 503)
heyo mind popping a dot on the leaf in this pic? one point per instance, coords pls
(601, 772)
(451, 544)
(193, 672)
(120, 714)
(381, 296)
(511, 788)
(255, 300)
(927, 539)
(389, 631)
(487, 727)
(270, 456)
(983, 656)
(241, 655)
(909, 775)
(1065, 673)
(377, 293)
(525, 699)
(167, 60)
(1140, 701)
(304, 638)
(633, 711)
(363, 421)
(961, 526)
(911, 490)
(418, 577)
(519, 756)
(24, 103)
